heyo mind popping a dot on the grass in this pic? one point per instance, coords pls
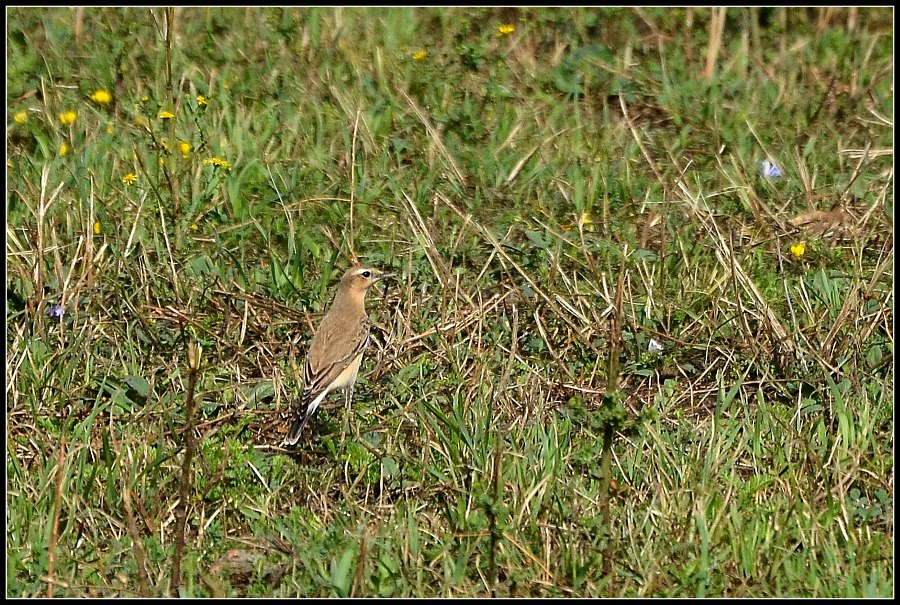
(553, 199)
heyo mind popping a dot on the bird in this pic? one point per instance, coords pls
(337, 347)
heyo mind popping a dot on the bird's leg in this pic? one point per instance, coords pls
(348, 397)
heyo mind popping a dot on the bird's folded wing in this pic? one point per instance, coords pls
(330, 354)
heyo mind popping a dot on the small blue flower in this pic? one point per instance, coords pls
(56, 311)
(770, 169)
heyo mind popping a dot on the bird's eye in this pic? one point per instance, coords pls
(367, 274)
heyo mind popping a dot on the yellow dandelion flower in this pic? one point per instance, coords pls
(110, 129)
(130, 178)
(166, 115)
(419, 55)
(97, 229)
(101, 96)
(506, 29)
(68, 117)
(194, 227)
(63, 150)
(219, 163)
(798, 249)
(201, 100)
(21, 117)
(185, 148)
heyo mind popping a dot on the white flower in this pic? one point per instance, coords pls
(654, 347)
(770, 169)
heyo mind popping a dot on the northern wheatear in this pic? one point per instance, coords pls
(337, 347)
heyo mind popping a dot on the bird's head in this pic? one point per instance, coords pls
(358, 279)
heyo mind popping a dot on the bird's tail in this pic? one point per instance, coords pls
(300, 420)
(305, 411)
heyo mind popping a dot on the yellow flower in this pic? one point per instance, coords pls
(419, 55)
(219, 162)
(506, 29)
(194, 227)
(21, 117)
(201, 100)
(130, 178)
(102, 97)
(110, 129)
(585, 219)
(67, 117)
(185, 148)
(63, 150)
(97, 228)
(166, 115)
(798, 249)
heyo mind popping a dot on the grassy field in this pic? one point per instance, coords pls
(640, 342)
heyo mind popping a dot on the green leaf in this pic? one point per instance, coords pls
(140, 386)
(340, 571)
